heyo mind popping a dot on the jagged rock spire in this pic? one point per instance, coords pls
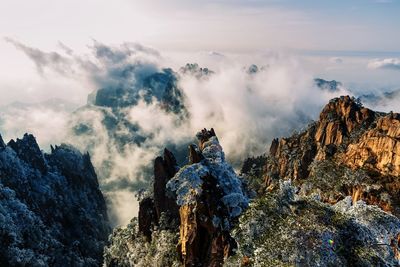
(208, 198)
(2, 144)
(151, 208)
(28, 150)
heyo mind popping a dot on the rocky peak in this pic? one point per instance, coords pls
(210, 197)
(195, 70)
(331, 86)
(2, 144)
(151, 208)
(28, 150)
(52, 212)
(72, 164)
(339, 118)
(164, 169)
(350, 151)
(207, 197)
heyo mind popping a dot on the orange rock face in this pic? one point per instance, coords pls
(347, 135)
(339, 118)
(379, 147)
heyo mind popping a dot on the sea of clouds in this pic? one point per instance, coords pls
(246, 109)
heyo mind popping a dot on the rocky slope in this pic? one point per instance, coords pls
(203, 214)
(325, 195)
(52, 212)
(282, 228)
(351, 150)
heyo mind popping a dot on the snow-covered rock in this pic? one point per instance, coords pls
(52, 212)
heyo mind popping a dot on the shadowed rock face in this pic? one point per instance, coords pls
(164, 169)
(2, 144)
(356, 145)
(52, 212)
(151, 208)
(147, 216)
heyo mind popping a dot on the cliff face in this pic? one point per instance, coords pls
(357, 145)
(379, 147)
(52, 212)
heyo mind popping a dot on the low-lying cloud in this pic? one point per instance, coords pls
(247, 107)
(387, 63)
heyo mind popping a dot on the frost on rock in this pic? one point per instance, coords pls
(52, 212)
(129, 248)
(210, 197)
(306, 232)
(187, 183)
(234, 198)
(195, 231)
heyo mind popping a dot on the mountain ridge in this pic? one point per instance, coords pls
(52, 212)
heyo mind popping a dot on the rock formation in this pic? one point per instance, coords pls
(358, 146)
(151, 208)
(210, 197)
(207, 199)
(52, 212)
(282, 228)
(330, 86)
(379, 147)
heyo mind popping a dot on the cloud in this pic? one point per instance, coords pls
(246, 110)
(65, 48)
(387, 63)
(337, 60)
(385, 101)
(43, 60)
(47, 121)
(383, 1)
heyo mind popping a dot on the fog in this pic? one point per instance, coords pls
(247, 107)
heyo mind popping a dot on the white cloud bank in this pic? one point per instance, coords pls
(387, 63)
(246, 109)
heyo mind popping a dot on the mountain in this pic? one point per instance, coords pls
(381, 99)
(52, 212)
(106, 124)
(330, 86)
(327, 196)
(350, 150)
(118, 131)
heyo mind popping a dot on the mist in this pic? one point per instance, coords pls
(247, 105)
